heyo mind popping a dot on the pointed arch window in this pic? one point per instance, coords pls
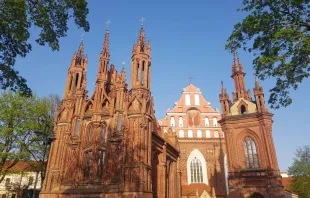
(180, 122)
(250, 152)
(196, 171)
(199, 134)
(187, 99)
(181, 134)
(172, 121)
(243, 109)
(207, 124)
(196, 97)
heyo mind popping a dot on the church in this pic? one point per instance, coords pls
(110, 144)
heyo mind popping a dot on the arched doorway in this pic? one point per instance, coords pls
(257, 195)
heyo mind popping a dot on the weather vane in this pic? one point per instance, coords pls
(108, 22)
(142, 20)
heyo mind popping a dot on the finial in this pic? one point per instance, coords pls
(108, 22)
(222, 83)
(123, 64)
(236, 59)
(82, 36)
(142, 20)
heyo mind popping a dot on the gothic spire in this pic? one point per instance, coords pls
(81, 50)
(237, 66)
(105, 49)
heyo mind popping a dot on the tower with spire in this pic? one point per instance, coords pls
(247, 124)
(109, 144)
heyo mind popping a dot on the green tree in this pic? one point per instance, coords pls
(18, 120)
(300, 170)
(278, 33)
(18, 16)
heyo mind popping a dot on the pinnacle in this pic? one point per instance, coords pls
(105, 48)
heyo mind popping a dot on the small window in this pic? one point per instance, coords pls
(172, 121)
(214, 122)
(196, 96)
(208, 134)
(30, 181)
(207, 124)
(199, 134)
(187, 99)
(243, 109)
(190, 134)
(180, 122)
(216, 134)
(181, 134)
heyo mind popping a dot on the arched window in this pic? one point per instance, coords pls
(216, 134)
(190, 133)
(180, 122)
(199, 134)
(172, 121)
(196, 99)
(181, 134)
(208, 134)
(196, 167)
(251, 156)
(243, 109)
(196, 171)
(187, 99)
(207, 124)
(214, 122)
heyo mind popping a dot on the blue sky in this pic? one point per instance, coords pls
(188, 39)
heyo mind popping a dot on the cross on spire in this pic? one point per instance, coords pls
(108, 22)
(123, 63)
(142, 20)
(82, 36)
(190, 80)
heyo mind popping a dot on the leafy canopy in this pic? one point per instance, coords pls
(300, 170)
(277, 31)
(18, 16)
(18, 119)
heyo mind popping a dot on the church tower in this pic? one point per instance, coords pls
(140, 121)
(110, 145)
(252, 161)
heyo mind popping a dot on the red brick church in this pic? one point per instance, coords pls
(110, 145)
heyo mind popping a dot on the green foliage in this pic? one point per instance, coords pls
(277, 31)
(300, 170)
(18, 16)
(18, 120)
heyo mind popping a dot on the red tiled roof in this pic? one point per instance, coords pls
(21, 166)
(192, 189)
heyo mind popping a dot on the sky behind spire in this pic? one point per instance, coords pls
(187, 38)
